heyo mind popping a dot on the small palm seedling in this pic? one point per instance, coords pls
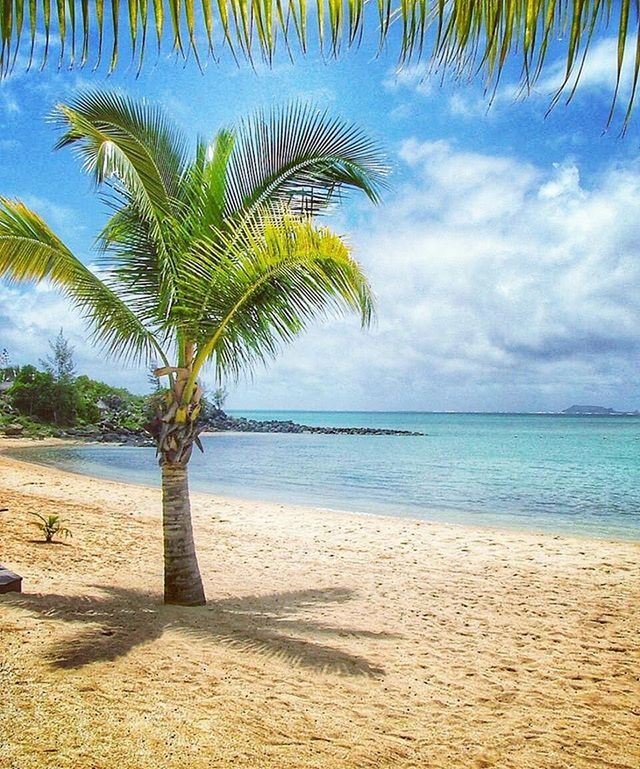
(51, 526)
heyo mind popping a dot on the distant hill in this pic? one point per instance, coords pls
(595, 410)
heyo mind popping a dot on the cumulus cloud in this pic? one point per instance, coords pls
(501, 285)
(597, 78)
(599, 71)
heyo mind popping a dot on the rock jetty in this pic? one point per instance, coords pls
(107, 432)
(220, 422)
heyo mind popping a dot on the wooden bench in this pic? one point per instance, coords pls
(9, 582)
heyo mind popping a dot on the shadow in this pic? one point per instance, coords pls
(119, 620)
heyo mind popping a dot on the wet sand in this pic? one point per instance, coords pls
(329, 639)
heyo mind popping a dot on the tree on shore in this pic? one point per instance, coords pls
(59, 364)
(213, 259)
(218, 397)
(50, 395)
(461, 37)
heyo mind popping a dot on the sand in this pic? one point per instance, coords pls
(329, 640)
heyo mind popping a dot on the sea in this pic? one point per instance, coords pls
(556, 473)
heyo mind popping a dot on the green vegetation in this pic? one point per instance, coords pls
(212, 257)
(51, 526)
(218, 398)
(42, 401)
(462, 37)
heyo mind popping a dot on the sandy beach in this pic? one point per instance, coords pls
(329, 639)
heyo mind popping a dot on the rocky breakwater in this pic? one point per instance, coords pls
(221, 422)
(111, 432)
(108, 432)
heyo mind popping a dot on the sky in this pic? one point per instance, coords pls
(503, 257)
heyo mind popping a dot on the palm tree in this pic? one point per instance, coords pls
(210, 259)
(463, 36)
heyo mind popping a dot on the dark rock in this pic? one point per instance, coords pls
(15, 430)
(9, 581)
(221, 422)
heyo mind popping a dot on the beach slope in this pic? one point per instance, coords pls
(329, 640)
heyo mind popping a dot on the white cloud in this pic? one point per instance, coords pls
(500, 285)
(469, 105)
(598, 73)
(415, 77)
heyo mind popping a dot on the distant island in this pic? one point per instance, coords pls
(598, 410)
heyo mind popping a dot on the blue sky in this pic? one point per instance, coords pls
(504, 256)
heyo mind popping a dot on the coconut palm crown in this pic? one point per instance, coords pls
(211, 259)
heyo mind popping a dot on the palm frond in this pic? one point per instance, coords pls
(131, 145)
(462, 36)
(31, 252)
(203, 191)
(259, 291)
(130, 140)
(302, 158)
(127, 252)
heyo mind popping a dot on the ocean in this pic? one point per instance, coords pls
(538, 472)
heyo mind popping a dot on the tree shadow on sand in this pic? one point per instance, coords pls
(120, 619)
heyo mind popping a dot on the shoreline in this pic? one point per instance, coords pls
(26, 443)
(329, 640)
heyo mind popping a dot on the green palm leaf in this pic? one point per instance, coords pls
(259, 290)
(131, 146)
(461, 36)
(127, 140)
(301, 158)
(31, 252)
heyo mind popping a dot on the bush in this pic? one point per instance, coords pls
(98, 401)
(32, 393)
(37, 394)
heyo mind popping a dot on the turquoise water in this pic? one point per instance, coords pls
(535, 472)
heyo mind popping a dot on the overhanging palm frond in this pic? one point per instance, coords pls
(302, 158)
(463, 36)
(263, 288)
(30, 252)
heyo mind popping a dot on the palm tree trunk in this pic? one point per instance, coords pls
(182, 581)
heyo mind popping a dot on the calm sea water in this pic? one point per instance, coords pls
(536, 472)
